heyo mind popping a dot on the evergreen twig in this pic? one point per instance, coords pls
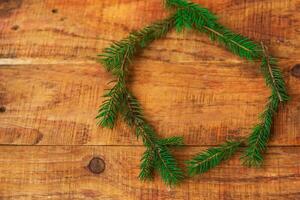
(212, 157)
(116, 59)
(258, 139)
(157, 155)
(191, 15)
(273, 76)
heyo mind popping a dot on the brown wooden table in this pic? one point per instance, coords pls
(51, 88)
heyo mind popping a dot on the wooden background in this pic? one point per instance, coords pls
(51, 87)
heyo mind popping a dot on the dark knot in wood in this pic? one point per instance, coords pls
(96, 165)
(15, 27)
(2, 109)
(296, 71)
(54, 10)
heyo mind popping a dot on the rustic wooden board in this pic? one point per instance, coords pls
(51, 87)
(77, 30)
(207, 91)
(205, 102)
(40, 172)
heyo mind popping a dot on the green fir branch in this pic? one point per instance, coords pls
(258, 139)
(120, 54)
(157, 155)
(116, 59)
(172, 141)
(147, 166)
(191, 15)
(212, 157)
(236, 43)
(273, 76)
(168, 168)
(109, 109)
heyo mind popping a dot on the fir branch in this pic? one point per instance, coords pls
(108, 111)
(121, 53)
(190, 15)
(273, 75)
(236, 43)
(257, 141)
(172, 141)
(147, 165)
(161, 159)
(212, 157)
(116, 59)
(168, 167)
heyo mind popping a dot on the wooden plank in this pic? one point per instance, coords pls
(75, 31)
(61, 172)
(205, 102)
(208, 93)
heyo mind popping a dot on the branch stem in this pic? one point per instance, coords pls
(221, 35)
(266, 55)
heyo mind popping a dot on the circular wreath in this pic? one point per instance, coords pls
(119, 99)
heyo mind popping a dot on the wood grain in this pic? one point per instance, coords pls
(205, 102)
(40, 172)
(50, 50)
(30, 29)
(51, 88)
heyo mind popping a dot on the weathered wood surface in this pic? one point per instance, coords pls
(51, 87)
(206, 103)
(57, 172)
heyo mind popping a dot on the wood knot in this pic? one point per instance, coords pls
(2, 109)
(15, 27)
(54, 10)
(296, 71)
(96, 165)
